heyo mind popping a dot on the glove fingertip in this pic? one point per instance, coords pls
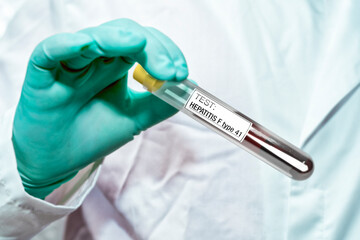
(182, 74)
(163, 68)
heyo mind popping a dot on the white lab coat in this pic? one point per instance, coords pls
(291, 65)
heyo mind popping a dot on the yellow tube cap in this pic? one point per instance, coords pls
(143, 77)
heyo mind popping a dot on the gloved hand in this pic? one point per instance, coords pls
(75, 106)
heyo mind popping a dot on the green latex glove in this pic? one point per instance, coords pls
(75, 107)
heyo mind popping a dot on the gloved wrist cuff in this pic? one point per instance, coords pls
(42, 190)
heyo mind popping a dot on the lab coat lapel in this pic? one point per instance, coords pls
(328, 95)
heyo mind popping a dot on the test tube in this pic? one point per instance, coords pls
(239, 129)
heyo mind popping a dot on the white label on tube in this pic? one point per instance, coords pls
(217, 115)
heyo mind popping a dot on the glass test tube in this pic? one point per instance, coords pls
(231, 124)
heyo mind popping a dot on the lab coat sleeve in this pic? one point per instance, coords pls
(21, 215)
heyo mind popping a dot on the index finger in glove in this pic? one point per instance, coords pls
(49, 52)
(154, 55)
